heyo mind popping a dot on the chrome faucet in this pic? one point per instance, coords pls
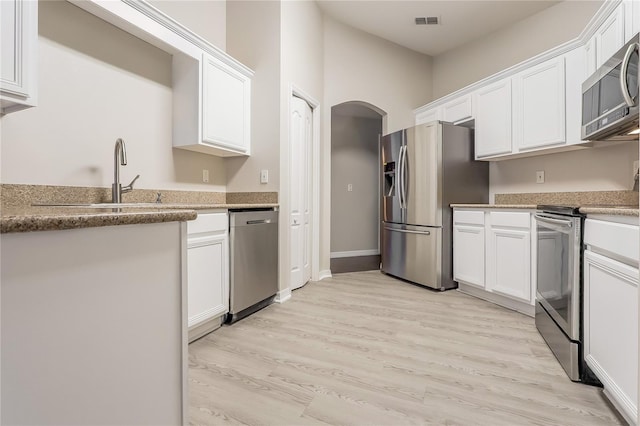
(120, 158)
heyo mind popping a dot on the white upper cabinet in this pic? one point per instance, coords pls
(632, 18)
(458, 110)
(576, 73)
(211, 106)
(591, 60)
(19, 48)
(428, 116)
(493, 119)
(539, 105)
(610, 36)
(226, 105)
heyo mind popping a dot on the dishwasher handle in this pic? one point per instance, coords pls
(258, 222)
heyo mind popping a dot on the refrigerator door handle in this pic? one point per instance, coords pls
(400, 184)
(405, 181)
(406, 231)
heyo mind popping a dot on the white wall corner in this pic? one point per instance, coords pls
(325, 274)
(283, 295)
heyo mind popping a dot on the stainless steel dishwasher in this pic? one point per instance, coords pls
(253, 246)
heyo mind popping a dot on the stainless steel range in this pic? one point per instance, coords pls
(559, 286)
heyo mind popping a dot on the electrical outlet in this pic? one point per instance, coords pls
(205, 175)
(540, 176)
(264, 176)
(350, 187)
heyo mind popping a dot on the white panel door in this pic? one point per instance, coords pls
(611, 327)
(592, 60)
(468, 254)
(226, 96)
(493, 119)
(610, 36)
(631, 18)
(207, 283)
(509, 263)
(300, 192)
(539, 105)
(576, 73)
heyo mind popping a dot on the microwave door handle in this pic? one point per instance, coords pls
(623, 75)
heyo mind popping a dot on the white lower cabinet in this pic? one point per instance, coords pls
(468, 243)
(509, 254)
(493, 256)
(207, 272)
(611, 312)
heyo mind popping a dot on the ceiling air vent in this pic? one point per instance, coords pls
(429, 20)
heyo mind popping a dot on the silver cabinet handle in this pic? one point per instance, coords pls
(548, 219)
(255, 222)
(406, 231)
(623, 75)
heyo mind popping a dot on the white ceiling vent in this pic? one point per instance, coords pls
(429, 20)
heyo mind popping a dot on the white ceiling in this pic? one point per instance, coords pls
(461, 21)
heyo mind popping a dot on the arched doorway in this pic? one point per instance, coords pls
(355, 187)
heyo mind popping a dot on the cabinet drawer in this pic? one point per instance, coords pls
(616, 238)
(511, 219)
(469, 217)
(208, 222)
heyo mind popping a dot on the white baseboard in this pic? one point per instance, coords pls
(283, 295)
(324, 274)
(354, 253)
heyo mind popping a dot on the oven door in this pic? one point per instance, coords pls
(558, 270)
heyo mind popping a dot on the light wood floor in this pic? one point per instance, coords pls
(365, 349)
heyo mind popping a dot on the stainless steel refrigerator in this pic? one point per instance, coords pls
(425, 169)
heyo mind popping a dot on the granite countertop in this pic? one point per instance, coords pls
(49, 218)
(611, 210)
(496, 206)
(586, 209)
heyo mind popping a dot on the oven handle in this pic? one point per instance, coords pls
(548, 219)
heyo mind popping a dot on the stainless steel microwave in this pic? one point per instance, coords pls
(610, 98)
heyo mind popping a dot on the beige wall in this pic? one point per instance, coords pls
(362, 67)
(205, 18)
(354, 160)
(302, 67)
(97, 83)
(531, 36)
(596, 169)
(253, 38)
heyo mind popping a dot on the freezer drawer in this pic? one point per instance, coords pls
(413, 253)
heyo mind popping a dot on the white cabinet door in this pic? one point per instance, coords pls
(631, 19)
(610, 36)
(509, 255)
(428, 116)
(576, 73)
(207, 267)
(611, 328)
(493, 119)
(468, 254)
(539, 105)
(457, 111)
(19, 44)
(226, 98)
(592, 60)
(208, 286)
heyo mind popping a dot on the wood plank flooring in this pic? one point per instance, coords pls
(366, 349)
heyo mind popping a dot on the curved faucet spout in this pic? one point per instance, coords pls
(119, 157)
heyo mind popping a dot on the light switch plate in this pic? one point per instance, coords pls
(264, 176)
(205, 175)
(350, 187)
(540, 176)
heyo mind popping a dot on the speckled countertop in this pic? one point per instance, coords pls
(496, 206)
(617, 203)
(610, 210)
